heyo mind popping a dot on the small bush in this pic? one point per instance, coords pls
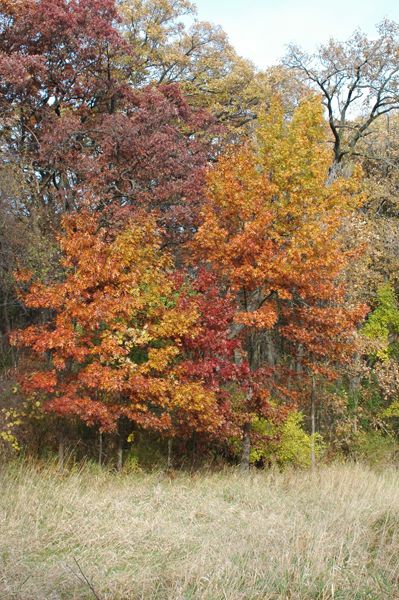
(286, 443)
(374, 447)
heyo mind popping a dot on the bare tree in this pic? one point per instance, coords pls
(359, 82)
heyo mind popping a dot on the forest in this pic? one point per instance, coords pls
(198, 258)
(199, 309)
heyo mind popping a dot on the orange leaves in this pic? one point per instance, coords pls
(195, 406)
(12, 7)
(23, 276)
(40, 381)
(263, 318)
(116, 337)
(160, 359)
(271, 230)
(271, 222)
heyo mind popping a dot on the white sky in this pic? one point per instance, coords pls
(260, 29)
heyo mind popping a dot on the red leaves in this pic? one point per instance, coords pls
(148, 160)
(87, 131)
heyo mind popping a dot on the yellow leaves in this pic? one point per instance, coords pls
(294, 152)
(160, 359)
(11, 419)
(128, 337)
(270, 214)
(194, 404)
(175, 323)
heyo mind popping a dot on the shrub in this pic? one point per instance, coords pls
(284, 444)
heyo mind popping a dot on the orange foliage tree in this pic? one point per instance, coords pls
(114, 333)
(271, 231)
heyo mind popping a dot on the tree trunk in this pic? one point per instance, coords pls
(313, 423)
(270, 349)
(246, 447)
(170, 448)
(193, 449)
(334, 172)
(299, 359)
(7, 347)
(353, 388)
(339, 168)
(61, 449)
(100, 448)
(119, 454)
(6, 315)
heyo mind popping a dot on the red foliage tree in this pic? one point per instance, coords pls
(81, 127)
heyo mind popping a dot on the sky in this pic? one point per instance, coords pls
(261, 29)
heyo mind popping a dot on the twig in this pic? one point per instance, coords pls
(85, 578)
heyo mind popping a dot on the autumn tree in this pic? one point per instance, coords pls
(72, 124)
(81, 124)
(377, 222)
(111, 348)
(119, 107)
(358, 80)
(168, 44)
(270, 232)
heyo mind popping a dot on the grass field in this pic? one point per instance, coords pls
(223, 536)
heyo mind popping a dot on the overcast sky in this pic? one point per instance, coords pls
(260, 29)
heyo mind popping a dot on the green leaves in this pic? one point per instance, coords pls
(382, 324)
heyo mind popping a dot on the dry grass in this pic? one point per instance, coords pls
(223, 536)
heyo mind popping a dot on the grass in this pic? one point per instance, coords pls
(90, 534)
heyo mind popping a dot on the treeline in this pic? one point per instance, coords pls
(198, 259)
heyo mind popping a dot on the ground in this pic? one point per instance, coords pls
(86, 534)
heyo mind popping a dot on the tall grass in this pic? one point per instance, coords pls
(222, 536)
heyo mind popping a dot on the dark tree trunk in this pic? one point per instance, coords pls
(169, 463)
(61, 449)
(193, 449)
(100, 448)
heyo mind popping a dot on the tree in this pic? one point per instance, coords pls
(270, 232)
(72, 119)
(72, 126)
(151, 154)
(168, 44)
(359, 82)
(211, 354)
(371, 414)
(111, 347)
(378, 219)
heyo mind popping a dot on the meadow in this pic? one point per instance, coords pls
(89, 533)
